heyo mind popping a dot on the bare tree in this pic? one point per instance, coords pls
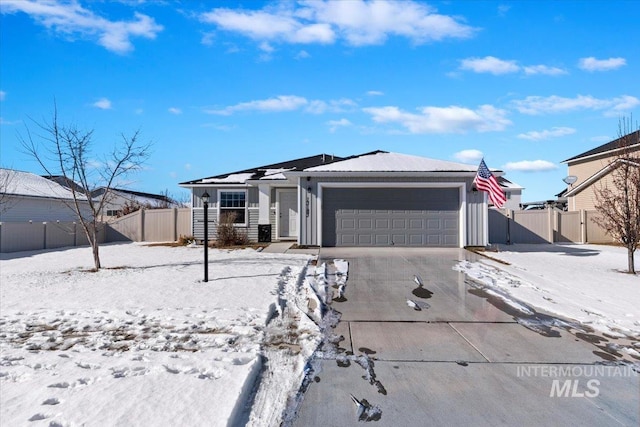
(618, 197)
(67, 152)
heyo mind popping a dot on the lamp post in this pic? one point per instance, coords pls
(205, 201)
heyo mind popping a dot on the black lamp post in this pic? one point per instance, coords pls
(205, 201)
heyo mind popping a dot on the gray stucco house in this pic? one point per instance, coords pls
(372, 199)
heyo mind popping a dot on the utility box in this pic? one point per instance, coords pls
(264, 233)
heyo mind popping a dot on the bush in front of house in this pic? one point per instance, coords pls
(228, 233)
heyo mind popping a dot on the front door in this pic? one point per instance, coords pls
(287, 213)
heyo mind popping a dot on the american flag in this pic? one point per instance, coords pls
(485, 181)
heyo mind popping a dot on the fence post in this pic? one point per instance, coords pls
(174, 213)
(509, 213)
(142, 225)
(583, 225)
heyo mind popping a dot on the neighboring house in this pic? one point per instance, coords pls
(29, 197)
(373, 199)
(513, 193)
(592, 169)
(118, 200)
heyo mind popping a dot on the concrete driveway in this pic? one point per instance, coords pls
(462, 360)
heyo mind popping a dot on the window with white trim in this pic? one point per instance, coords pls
(234, 202)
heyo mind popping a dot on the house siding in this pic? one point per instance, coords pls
(24, 208)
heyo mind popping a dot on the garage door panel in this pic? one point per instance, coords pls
(399, 224)
(400, 239)
(365, 224)
(382, 240)
(382, 224)
(390, 216)
(347, 223)
(416, 224)
(450, 224)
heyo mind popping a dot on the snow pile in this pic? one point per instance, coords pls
(580, 282)
(146, 342)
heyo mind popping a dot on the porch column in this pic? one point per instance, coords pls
(264, 203)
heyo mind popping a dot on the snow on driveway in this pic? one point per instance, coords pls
(143, 341)
(580, 282)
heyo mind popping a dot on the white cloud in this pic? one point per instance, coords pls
(103, 104)
(332, 106)
(530, 166)
(469, 156)
(284, 103)
(174, 110)
(593, 64)
(3, 94)
(489, 64)
(544, 69)
(277, 104)
(335, 124)
(375, 93)
(303, 54)
(503, 9)
(554, 132)
(534, 105)
(357, 22)
(451, 119)
(187, 166)
(497, 66)
(70, 18)
(266, 47)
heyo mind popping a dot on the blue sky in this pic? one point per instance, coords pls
(218, 87)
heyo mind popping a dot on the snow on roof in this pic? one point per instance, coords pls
(29, 184)
(234, 178)
(393, 162)
(270, 174)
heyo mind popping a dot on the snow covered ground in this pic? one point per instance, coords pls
(146, 342)
(580, 282)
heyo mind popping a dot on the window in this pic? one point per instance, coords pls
(234, 202)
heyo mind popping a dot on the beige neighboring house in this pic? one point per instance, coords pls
(592, 170)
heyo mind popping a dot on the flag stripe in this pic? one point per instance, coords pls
(485, 181)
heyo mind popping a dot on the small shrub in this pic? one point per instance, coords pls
(186, 240)
(228, 233)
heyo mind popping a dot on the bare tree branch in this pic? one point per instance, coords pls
(70, 151)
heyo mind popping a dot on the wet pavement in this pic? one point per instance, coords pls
(460, 357)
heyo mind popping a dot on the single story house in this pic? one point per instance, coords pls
(373, 199)
(119, 199)
(25, 196)
(592, 168)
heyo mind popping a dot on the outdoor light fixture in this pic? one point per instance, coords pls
(205, 202)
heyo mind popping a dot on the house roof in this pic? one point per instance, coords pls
(505, 183)
(609, 146)
(21, 183)
(267, 172)
(136, 194)
(383, 161)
